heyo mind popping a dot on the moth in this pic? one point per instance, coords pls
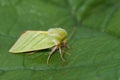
(30, 41)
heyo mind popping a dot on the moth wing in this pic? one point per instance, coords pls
(31, 41)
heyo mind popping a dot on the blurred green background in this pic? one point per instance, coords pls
(95, 45)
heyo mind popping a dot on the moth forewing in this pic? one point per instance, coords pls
(32, 41)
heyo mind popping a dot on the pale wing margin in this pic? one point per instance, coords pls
(31, 41)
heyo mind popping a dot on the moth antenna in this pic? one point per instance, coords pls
(72, 33)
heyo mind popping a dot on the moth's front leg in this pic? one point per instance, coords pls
(53, 50)
(65, 44)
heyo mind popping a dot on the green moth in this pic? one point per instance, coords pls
(39, 40)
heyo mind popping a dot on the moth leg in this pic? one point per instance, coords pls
(53, 50)
(66, 52)
(65, 44)
(60, 50)
(31, 53)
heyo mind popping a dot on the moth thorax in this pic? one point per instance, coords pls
(57, 34)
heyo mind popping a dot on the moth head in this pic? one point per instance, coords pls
(58, 34)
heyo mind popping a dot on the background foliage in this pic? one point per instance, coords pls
(95, 46)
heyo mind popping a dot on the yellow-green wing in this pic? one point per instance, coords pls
(31, 41)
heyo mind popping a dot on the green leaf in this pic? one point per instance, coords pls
(95, 45)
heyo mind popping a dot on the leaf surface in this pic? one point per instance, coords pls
(95, 45)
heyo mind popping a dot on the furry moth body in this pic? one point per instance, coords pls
(39, 40)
